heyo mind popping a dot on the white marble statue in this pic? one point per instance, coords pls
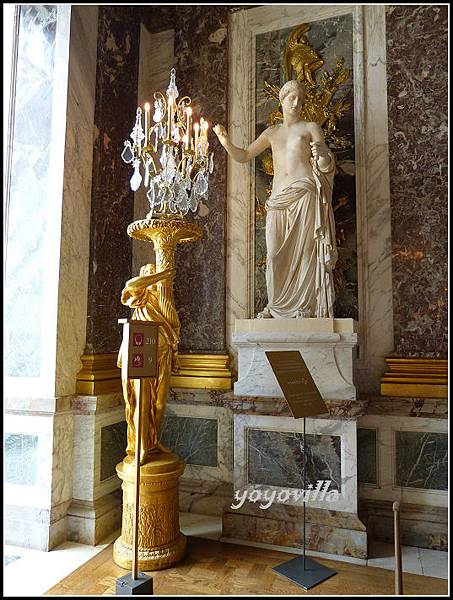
(300, 227)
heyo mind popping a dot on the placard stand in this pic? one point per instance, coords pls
(137, 583)
(303, 570)
(304, 399)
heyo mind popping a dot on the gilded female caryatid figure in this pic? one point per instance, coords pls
(142, 294)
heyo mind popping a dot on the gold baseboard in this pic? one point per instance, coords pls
(415, 377)
(203, 371)
(100, 375)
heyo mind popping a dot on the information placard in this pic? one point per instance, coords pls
(139, 349)
(298, 387)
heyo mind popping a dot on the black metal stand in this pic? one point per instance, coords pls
(302, 570)
(128, 586)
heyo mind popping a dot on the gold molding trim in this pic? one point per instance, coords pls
(100, 375)
(415, 377)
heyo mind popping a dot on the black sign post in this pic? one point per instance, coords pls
(138, 361)
(304, 400)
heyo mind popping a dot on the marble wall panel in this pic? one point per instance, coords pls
(193, 439)
(366, 455)
(411, 460)
(421, 460)
(20, 458)
(113, 445)
(417, 66)
(202, 436)
(202, 71)
(333, 451)
(277, 458)
(112, 201)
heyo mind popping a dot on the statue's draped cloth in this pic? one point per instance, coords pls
(153, 390)
(301, 248)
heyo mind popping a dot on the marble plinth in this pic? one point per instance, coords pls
(329, 532)
(326, 345)
(99, 444)
(269, 448)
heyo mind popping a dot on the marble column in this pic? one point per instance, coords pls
(417, 75)
(39, 422)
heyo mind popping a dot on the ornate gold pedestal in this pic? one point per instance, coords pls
(160, 543)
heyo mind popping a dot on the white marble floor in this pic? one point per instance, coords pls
(34, 572)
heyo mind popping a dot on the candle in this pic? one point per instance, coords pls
(196, 128)
(147, 107)
(187, 136)
(170, 116)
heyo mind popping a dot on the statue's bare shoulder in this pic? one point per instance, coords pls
(272, 130)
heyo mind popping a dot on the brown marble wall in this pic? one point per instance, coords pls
(112, 201)
(417, 107)
(202, 73)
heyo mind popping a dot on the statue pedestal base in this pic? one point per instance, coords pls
(269, 471)
(160, 542)
(326, 345)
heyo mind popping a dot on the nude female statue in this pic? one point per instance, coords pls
(300, 227)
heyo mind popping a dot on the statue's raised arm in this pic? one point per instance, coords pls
(238, 154)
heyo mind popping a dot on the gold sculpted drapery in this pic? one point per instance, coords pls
(301, 247)
(141, 294)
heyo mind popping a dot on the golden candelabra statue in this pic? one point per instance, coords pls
(177, 186)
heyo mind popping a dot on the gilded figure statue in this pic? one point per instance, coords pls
(300, 228)
(142, 293)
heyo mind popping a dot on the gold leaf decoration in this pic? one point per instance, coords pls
(304, 60)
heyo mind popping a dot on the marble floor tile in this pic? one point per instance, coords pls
(45, 569)
(434, 563)
(420, 561)
(202, 526)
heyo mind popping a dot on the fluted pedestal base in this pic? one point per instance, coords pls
(160, 542)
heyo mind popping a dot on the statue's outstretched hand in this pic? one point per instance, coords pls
(318, 150)
(221, 133)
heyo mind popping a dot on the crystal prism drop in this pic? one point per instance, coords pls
(151, 195)
(146, 181)
(182, 200)
(172, 90)
(163, 156)
(193, 201)
(127, 154)
(136, 178)
(175, 135)
(158, 113)
(201, 184)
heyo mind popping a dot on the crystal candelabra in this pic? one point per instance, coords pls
(174, 155)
